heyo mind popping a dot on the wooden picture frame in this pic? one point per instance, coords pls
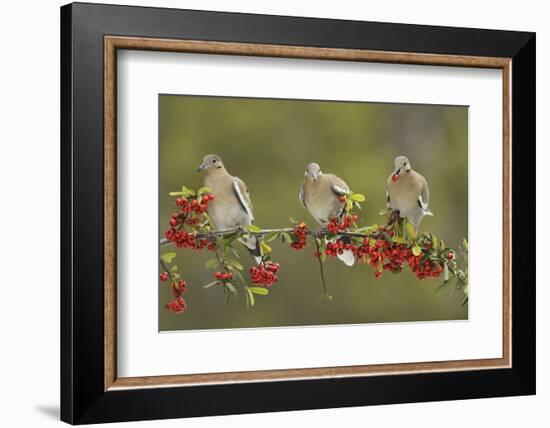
(91, 390)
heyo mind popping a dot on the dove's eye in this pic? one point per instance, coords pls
(214, 161)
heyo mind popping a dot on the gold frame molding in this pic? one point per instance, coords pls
(113, 43)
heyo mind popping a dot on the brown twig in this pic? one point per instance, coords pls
(321, 269)
(170, 277)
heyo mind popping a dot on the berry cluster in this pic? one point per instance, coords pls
(340, 224)
(178, 304)
(299, 234)
(385, 255)
(183, 239)
(265, 273)
(198, 205)
(223, 276)
(423, 270)
(336, 247)
(191, 213)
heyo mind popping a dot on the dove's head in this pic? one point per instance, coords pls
(210, 162)
(401, 164)
(313, 170)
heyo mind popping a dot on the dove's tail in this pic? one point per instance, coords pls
(347, 257)
(253, 246)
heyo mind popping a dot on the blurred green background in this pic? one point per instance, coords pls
(267, 143)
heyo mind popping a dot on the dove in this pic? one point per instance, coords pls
(232, 207)
(323, 195)
(407, 192)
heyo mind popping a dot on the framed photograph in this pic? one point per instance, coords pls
(265, 213)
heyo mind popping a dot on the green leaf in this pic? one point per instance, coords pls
(226, 298)
(203, 190)
(264, 248)
(445, 272)
(186, 191)
(443, 286)
(167, 257)
(285, 237)
(434, 241)
(380, 267)
(250, 297)
(410, 230)
(259, 290)
(427, 256)
(399, 240)
(228, 240)
(210, 284)
(174, 268)
(236, 264)
(234, 252)
(357, 197)
(416, 250)
(240, 276)
(211, 264)
(176, 193)
(271, 236)
(253, 229)
(230, 287)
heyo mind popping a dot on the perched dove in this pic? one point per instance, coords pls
(407, 192)
(231, 207)
(320, 194)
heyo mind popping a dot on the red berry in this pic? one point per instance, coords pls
(342, 199)
(164, 276)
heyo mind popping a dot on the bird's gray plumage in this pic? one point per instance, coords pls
(407, 191)
(232, 207)
(320, 194)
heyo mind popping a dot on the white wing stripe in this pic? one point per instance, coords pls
(422, 204)
(301, 197)
(241, 199)
(339, 190)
